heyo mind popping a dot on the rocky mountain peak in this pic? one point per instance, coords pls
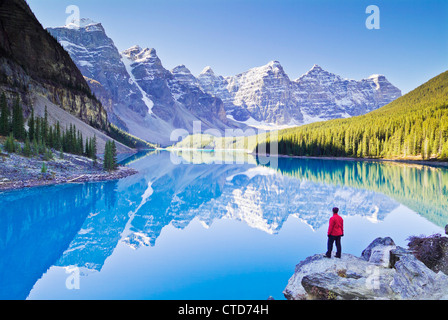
(274, 64)
(137, 54)
(183, 76)
(182, 69)
(318, 72)
(377, 76)
(86, 24)
(207, 71)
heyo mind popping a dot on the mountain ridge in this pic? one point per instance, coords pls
(267, 94)
(412, 127)
(142, 97)
(151, 101)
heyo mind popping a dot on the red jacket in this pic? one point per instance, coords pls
(336, 226)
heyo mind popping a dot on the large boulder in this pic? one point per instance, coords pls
(432, 251)
(414, 281)
(376, 244)
(384, 271)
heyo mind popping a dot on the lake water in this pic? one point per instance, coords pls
(203, 230)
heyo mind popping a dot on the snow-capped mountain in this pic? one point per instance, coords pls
(267, 95)
(140, 95)
(149, 101)
(325, 95)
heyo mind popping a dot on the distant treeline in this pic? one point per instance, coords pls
(413, 126)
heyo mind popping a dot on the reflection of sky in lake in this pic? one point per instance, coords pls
(196, 231)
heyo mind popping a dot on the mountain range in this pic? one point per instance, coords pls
(140, 95)
(266, 94)
(413, 127)
(149, 101)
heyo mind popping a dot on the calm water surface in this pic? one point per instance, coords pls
(201, 230)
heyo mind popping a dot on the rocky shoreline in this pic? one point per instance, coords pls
(384, 271)
(18, 172)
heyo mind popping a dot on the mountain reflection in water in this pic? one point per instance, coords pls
(82, 224)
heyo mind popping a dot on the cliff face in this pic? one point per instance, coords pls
(33, 62)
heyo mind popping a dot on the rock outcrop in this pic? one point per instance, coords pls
(384, 271)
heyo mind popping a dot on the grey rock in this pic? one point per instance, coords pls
(432, 251)
(396, 254)
(358, 278)
(347, 278)
(387, 241)
(413, 280)
(381, 255)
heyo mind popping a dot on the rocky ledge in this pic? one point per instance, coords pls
(384, 271)
(17, 172)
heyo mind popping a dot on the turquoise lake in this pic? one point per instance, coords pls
(186, 227)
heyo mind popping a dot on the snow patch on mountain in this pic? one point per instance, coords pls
(128, 65)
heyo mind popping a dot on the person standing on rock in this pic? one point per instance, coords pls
(335, 233)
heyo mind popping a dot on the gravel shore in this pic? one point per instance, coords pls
(17, 172)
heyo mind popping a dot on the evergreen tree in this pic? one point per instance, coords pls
(10, 144)
(18, 125)
(27, 152)
(31, 126)
(45, 129)
(107, 164)
(114, 156)
(110, 156)
(93, 149)
(44, 168)
(4, 116)
(35, 147)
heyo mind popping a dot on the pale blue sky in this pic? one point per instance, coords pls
(233, 36)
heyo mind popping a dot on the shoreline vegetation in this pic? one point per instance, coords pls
(404, 160)
(20, 172)
(41, 154)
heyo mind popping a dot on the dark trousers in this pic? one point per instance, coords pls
(331, 241)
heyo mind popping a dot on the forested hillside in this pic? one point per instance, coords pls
(414, 126)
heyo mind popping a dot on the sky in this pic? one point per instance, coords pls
(232, 36)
